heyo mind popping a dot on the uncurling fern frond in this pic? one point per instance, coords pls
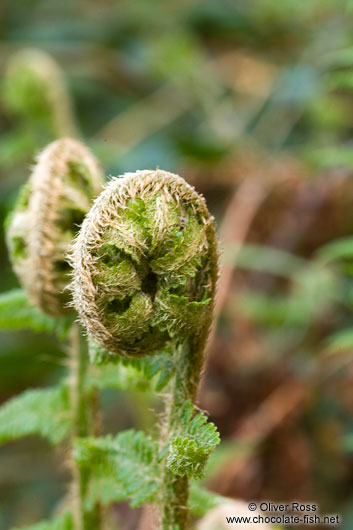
(34, 89)
(45, 219)
(190, 448)
(124, 467)
(62, 522)
(142, 281)
(42, 411)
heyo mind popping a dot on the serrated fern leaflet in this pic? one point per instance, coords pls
(42, 411)
(17, 313)
(124, 467)
(191, 445)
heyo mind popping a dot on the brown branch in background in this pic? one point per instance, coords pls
(236, 222)
(272, 411)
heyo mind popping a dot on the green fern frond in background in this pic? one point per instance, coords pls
(17, 313)
(44, 411)
(125, 467)
(158, 368)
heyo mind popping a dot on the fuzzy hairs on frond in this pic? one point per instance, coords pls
(144, 264)
(46, 217)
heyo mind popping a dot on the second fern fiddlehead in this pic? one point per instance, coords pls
(145, 269)
(34, 89)
(49, 210)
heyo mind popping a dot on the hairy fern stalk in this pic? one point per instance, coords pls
(145, 270)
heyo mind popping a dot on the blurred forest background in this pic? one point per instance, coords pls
(251, 102)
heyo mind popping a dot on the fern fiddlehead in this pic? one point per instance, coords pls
(49, 210)
(145, 269)
(46, 217)
(34, 89)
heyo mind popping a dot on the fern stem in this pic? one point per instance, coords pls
(84, 408)
(188, 361)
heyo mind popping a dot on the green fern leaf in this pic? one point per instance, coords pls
(62, 522)
(43, 411)
(17, 313)
(189, 449)
(104, 490)
(124, 467)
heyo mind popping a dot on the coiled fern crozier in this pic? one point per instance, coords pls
(34, 89)
(49, 210)
(144, 276)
